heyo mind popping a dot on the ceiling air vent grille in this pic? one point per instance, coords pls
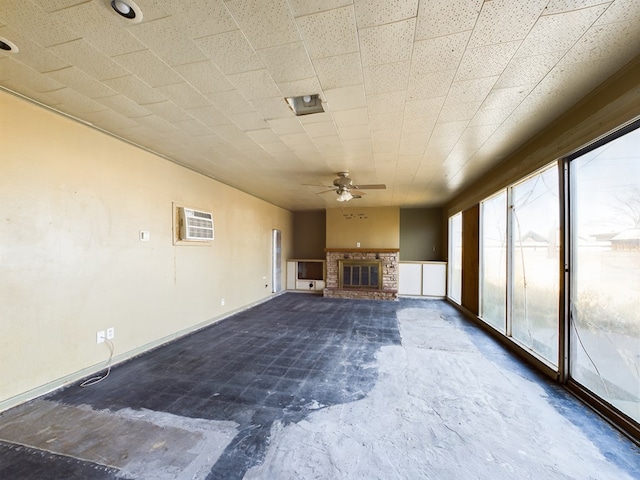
(195, 225)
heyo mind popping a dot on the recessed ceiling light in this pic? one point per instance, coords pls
(126, 8)
(8, 46)
(305, 104)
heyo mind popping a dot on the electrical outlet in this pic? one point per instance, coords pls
(111, 332)
(100, 336)
(222, 301)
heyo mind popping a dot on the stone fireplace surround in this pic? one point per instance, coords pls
(389, 260)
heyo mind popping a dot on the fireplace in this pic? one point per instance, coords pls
(362, 273)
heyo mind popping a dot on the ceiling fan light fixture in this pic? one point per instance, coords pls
(344, 196)
(305, 104)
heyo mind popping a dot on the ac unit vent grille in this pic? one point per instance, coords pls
(195, 225)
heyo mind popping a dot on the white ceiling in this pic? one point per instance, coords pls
(421, 95)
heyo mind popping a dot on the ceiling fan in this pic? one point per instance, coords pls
(343, 186)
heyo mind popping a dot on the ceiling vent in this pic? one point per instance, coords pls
(305, 104)
(195, 225)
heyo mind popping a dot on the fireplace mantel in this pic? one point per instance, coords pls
(364, 250)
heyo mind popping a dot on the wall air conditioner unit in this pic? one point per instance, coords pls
(195, 225)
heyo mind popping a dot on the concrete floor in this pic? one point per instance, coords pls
(307, 387)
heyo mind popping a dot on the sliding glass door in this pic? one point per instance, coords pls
(535, 217)
(605, 273)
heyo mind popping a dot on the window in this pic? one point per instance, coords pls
(455, 258)
(493, 261)
(605, 273)
(535, 256)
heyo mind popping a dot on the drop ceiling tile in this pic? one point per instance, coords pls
(81, 82)
(68, 101)
(444, 17)
(294, 139)
(266, 24)
(255, 84)
(413, 144)
(491, 115)
(503, 21)
(387, 43)
(193, 127)
(423, 108)
(83, 56)
(96, 23)
(308, 86)
(200, 18)
(124, 106)
(381, 121)
(134, 88)
(454, 112)
(109, 120)
(276, 148)
(265, 135)
(437, 54)
(274, 108)
(284, 126)
(558, 33)
(561, 6)
(329, 33)
(430, 85)
(248, 121)
(31, 54)
(621, 11)
(166, 38)
(230, 102)
(419, 124)
(339, 71)
(306, 7)
(288, 62)
(315, 118)
(34, 22)
(346, 98)
(386, 78)
(230, 51)
(184, 95)
(386, 102)
(19, 74)
(148, 67)
(379, 12)
(54, 5)
(209, 115)
(167, 110)
(325, 142)
(527, 70)
(204, 76)
(507, 97)
(355, 132)
(156, 124)
(357, 145)
(321, 129)
(350, 118)
(598, 43)
(468, 91)
(486, 61)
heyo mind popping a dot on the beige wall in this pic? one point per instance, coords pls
(72, 203)
(372, 227)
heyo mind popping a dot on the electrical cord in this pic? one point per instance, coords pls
(99, 378)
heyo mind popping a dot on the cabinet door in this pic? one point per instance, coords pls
(292, 272)
(434, 279)
(410, 279)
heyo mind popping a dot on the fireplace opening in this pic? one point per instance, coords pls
(365, 274)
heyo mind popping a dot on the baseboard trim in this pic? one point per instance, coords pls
(123, 357)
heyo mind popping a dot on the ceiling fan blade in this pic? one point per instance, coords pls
(326, 191)
(315, 185)
(379, 186)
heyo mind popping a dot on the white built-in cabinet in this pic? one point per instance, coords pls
(427, 279)
(306, 275)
